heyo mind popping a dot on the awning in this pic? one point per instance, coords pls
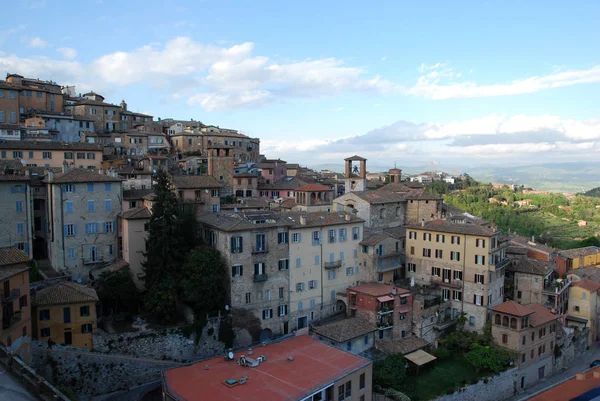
(577, 319)
(351, 293)
(385, 298)
(420, 357)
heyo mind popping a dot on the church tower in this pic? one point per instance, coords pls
(356, 174)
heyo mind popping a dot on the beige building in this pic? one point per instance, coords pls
(525, 278)
(65, 313)
(245, 185)
(530, 332)
(16, 312)
(107, 117)
(53, 154)
(32, 95)
(133, 234)
(314, 198)
(584, 306)
(324, 260)
(382, 255)
(465, 258)
(16, 207)
(201, 191)
(83, 207)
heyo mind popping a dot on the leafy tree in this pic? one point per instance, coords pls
(205, 284)
(438, 188)
(117, 292)
(34, 272)
(487, 358)
(390, 372)
(167, 247)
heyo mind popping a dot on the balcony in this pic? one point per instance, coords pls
(260, 249)
(332, 265)
(558, 286)
(384, 325)
(503, 263)
(391, 261)
(446, 282)
(11, 320)
(11, 296)
(385, 310)
(259, 278)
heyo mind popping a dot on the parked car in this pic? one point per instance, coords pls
(595, 363)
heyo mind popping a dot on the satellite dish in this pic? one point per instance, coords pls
(128, 160)
(23, 161)
(154, 171)
(230, 355)
(226, 307)
(206, 190)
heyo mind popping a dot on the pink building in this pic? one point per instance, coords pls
(272, 170)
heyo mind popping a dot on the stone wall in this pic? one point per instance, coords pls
(90, 374)
(494, 388)
(177, 344)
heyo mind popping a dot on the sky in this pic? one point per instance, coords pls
(459, 83)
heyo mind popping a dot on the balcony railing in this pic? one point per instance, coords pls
(384, 310)
(503, 263)
(384, 325)
(556, 286)
(10, 320)
(11, 296)
(447, 282)
(260, 249)
(332, 265)
(260, 277)
(389, 262)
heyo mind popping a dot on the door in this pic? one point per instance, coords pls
(67, 315)
(541, 372)
(302, 322)
(68, 338)
(286, 327)
(522, 381)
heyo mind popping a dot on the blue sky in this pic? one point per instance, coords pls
(465, 82)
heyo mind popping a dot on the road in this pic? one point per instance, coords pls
(581, 363)
(13, 390)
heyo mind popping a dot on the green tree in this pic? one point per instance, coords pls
(167, 247)
(390, 372)
(487, 358)
(117, 292)
(205, 285)
(34, 272)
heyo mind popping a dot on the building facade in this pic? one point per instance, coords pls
(53, 154)
(584, 308)
(16, 225)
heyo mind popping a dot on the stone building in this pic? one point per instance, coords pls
(525, 280)
(107, 117)
(245, 185)
(271, 170)
(133, 234)
(65, 313)
(314, 198)
(323, 258)
(15, 334)
(220, 166)
(186, 141)
(16, 204)
(53, 154)
(198, 191)
(355, 335)
(244, 148)
(382, 255)
(256, 250)
(356, 176)
(34, 95)
(387, 307)
(465, 258)
(530, 332)
(83, 207)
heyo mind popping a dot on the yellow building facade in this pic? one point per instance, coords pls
(584, 305)
(65, 313)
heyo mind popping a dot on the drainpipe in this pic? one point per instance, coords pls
(62, 220)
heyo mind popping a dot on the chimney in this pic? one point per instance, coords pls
(347, 217)
(50, 175)
(596, 374)
(533, 239)
(580, 376)
(303, 218)
(422, 222)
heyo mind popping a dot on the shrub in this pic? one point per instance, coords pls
(442, 353)
(390, 372)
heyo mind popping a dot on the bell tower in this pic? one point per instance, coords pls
(356, 174)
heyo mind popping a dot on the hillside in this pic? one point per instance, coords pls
(563, 222)
(593, 192)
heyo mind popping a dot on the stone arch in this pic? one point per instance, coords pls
(497, 319)
(340, 306)
(505, 321)
(266, 335)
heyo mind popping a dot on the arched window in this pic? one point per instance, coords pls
(505, 321)
(513, 323)
(398, 211)
(497, 319)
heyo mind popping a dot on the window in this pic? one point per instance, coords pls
(84, 310)
(438, 253)
(478, 299)
(471, 320)
(426, 236)
(237, 271)
(454, 255)
(455, 240)
(312, 284)
(248, 297)
(108, 205)
(480, 243)
(110, 249)
(237, 244)
(583, 296)
(90, 206)
(402, 316)
(436, 271)
(107, 187)
(412, 235)
(479, 260)
(20, 228)
(576, 308)
(542, 332)
(91, 228)
(109, 227)
(445, 294)
(13, 117)
(519, 294)
(426, 252)
(440, 238)
(19, 206)
(479, 279)
(261, 243)
(68, 188)
(522, 358)
(45, 314)
(457, 295)
(298, 262)
(343, 234)
(317, 260)
(284, 264)
(71, 253)
(17, 154)
(331, 274)
(70, 230)
(46, 155)
(331, 236)
(349, 271)
(348, 389)
(214, 193)
(458, 274)
(38, 94)
(80, 155)
(299, 287)
(355, 233)
(282, 238)
(283, 310)
(341, 393)
(523, 340)
(86, 328)
(45, 332)
(412, 267)
(267, 314)
(296, 238)
(316, 237)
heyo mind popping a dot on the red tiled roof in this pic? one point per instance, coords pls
(541, 315)
(314, 365)
(314, 188)
(512, 308)
(377, 289)
(571, 389)
(587, 285)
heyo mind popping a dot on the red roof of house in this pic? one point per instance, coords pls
(571, 389)
(587, 285)
(378, 289)
(512, 308)
(313, 366)
(314, 188)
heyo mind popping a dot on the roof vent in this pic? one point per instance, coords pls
(249, 351)
(596, 374)
(580, 376)
(205, 367)
(290, 358)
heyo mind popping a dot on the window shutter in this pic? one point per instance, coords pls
(483, 260)
(65, 230)
(241, 270)
(483, 243)
(13, 189)
(475, 299)
(433, 271)
(482, 279)
(458, 240)
(256, 268)
(299, 237)
(73, 185)
(232, 243)
(241, 244)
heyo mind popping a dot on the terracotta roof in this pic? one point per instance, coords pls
(396, 232)
(291, 183)
(320, 219)
(243, 220)
(137, 213)
(134, 194)
(82, 175)
(378, 289)
(372, 239)
(396, 187)
(294, 369)
(571, 389)
(195, 182)
(314, 188)
(512, 308)
(345, 330)
(403, 346)
(579, 252)
(376, 197)
(524, 242)
(12, 261)
(541, 315)
(469, 227)
(587, 285)
(65, 292)
(50, 145)
(355, 158)
(530, 266)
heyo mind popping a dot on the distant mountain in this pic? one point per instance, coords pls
(593, 192)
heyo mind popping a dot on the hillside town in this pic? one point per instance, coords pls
(329, 275)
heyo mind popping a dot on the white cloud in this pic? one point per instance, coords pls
(67, 52)
(5, 34)
(430, 85)
(338, 109)
(37, 42)
(384, 58)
